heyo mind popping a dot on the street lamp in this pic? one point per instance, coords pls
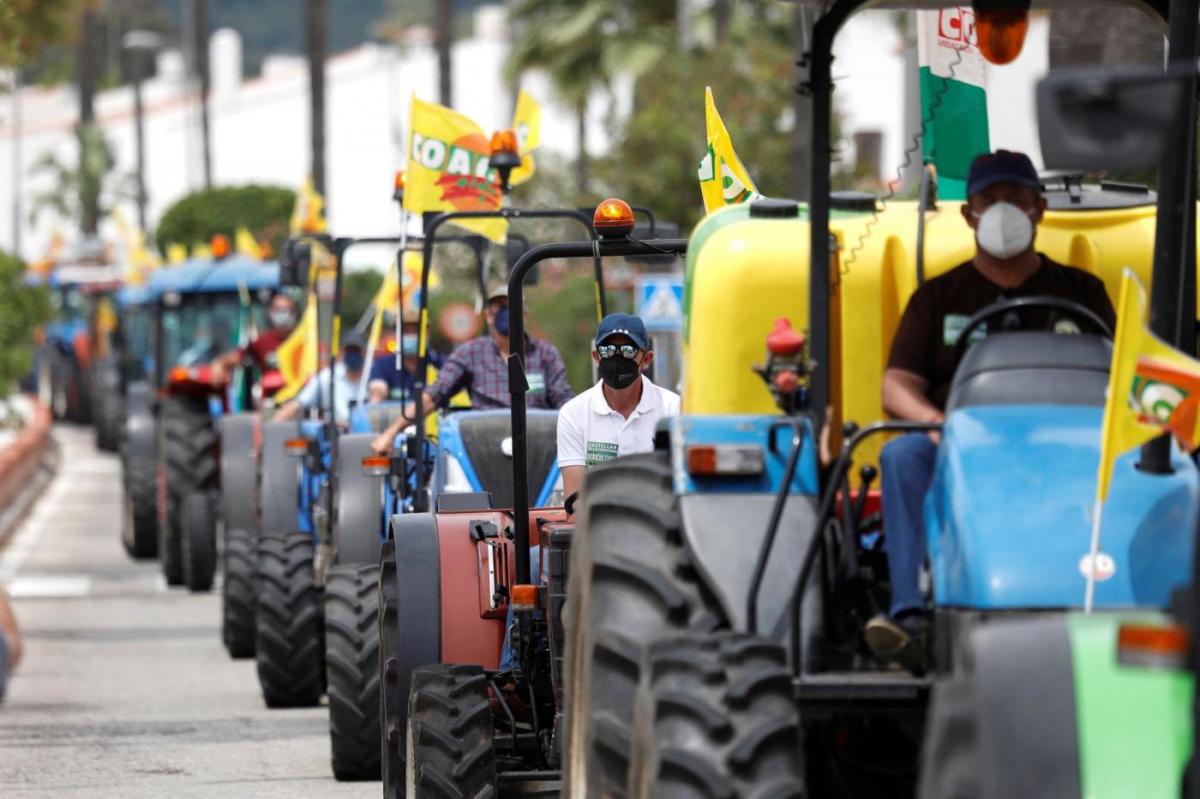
(140, 47)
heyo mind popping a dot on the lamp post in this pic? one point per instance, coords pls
(140, 46)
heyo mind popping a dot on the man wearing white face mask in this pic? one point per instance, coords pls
(1004, 206)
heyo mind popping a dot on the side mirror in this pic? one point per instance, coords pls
(1095, 119)
(295, 263)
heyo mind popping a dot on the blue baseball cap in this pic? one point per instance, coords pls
(625, 324)
(1002, 166)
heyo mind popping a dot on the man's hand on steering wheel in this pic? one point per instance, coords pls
(1057, 307)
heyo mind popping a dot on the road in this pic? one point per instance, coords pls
(126, 690)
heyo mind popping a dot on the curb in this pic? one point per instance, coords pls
(25, 467)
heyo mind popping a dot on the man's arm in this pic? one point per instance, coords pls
(558, 390)
(572, 477)
(382, 443)
(572, 454)
(905, 397)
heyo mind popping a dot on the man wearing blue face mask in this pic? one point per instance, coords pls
(480, 366)
(387, 381)
(1004, 206)
(347, 373)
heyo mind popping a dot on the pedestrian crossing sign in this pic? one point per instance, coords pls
(660, 301)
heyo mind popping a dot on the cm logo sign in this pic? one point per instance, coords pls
(958, 25)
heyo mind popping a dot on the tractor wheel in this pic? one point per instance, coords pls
(288, 648)
(138, 464)
(187, 453)
(238, 470)
(352, 670)
(631, 583)
(198, 541)
(237, 593)
(391, 764)
(715, 718)
(106, 416)
(449, 737)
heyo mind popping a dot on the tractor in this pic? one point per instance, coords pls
(136, 435)
(197, 312)
(719, 586)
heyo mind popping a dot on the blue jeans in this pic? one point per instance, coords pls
(907, 467)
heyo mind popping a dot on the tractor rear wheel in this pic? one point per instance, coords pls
(138, 463)
(198, 541)
(391, 764)
(715, 718)
(352, 670)
(237, 593)
(187, 453)
(106, 416)
(449, 737)
(631, 583)
(289, 652)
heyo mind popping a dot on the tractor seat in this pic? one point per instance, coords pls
(482, 434)
(382, 414)
(1032, 368)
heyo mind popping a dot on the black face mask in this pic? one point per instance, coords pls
(618, 372)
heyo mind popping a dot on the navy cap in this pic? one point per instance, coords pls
(1002, 166)
(626, 324)
(353, 339)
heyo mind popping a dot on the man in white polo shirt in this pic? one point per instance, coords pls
(617, 416)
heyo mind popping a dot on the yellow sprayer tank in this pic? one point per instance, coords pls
(745, 270)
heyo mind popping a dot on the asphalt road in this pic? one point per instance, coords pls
(125, 690)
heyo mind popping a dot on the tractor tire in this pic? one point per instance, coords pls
(449, 737)
(352, 670)
(107, 412)
(187, 453)
(632, 582)
(139, 461)
(74, 386)
(391, 763)
(238, 470)
(237, 593)
(198, 541)
(715, 718)
(278, 480)
(288, 649)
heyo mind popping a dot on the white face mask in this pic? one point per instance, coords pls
(1004, 231)
(281, 318)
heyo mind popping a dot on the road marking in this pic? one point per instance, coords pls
(70, 586)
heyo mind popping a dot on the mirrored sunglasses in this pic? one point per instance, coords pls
(609, 350)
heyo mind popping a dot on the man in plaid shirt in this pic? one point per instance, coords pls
(480, 366)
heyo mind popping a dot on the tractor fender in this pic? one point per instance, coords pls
(237, 470)
(419, 597)
(279, 480)
(357, 530)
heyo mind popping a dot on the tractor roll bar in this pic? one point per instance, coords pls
(437, 221)
(518, 386)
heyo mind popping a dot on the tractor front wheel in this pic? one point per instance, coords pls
(352, 670)
(198, 541)
(449, 738)
(187, 454)
(138, 463)
(391, 765)
(289, 652)
(237, 593)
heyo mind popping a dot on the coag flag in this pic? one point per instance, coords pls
(308, 215)
(954, 118)
(527, 124)
(448, 168)
(723, 179)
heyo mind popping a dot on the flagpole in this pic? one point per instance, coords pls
(400, 302)
(1093, 553)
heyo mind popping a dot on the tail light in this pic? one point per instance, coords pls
(1149, 645)
(524, 598)
(377, 466)
(725, 460)
(296, 447)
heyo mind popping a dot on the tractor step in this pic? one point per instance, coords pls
(530, 783)
(861, 691)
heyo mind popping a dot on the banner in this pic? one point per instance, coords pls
(953, 74)
(723, 179)
(448, 168)
(527, 124)
(299, 352)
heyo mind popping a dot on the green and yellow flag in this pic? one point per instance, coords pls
(527, 124)
(723, 179)
(448, 168)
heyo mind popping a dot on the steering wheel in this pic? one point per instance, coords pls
(1088, 321)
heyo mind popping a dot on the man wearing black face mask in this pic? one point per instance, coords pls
(481, 367)
(617, 416)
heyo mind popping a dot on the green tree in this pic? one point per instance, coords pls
(27, 26)
(83, 192)
(195, 219)
(22, 308)
(358, 289)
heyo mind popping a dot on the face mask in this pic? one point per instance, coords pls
(618, 372)
(501, 321)
(1004, 231)
(354, 360)
(280, 319)
(409, 343)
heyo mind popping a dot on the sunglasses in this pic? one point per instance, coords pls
(609, 350)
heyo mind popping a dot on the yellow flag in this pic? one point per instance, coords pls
(527, 124)
(723, 179)
(308, 215)
(176, 253)
(1152, 387)
(298, 353)
(245, 244)
(448, 168)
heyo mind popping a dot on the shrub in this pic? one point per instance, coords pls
(195, 219)
(22, 309)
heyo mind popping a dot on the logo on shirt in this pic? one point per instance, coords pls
(537, 382)
(600, 452)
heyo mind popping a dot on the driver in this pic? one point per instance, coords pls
(1004, 206)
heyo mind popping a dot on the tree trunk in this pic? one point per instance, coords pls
(444, 42)
(88, 215)
(720, 12)
(581, 160)
(315, 43)
(200, 30)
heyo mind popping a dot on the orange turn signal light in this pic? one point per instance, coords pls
(296, 446)
(377, 465)
(613, 219)
(399, 180)
(220, 246)
(504, 141)
(524, 597)
(1001, 33)
(725, 460)
(1149, 645)
(179, 374)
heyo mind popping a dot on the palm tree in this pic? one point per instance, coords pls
(443, 41)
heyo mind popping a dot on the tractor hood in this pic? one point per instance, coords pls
(1009, 515)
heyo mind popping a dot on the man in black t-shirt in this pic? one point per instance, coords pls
(1004, 206)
